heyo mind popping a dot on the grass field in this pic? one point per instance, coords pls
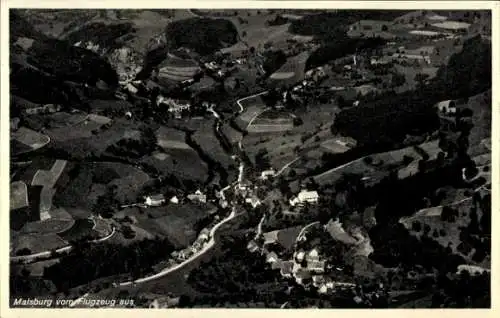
(29, 138)
(231, 134)
(128, 187)
(170, 138)
(18, 195)
(80, 229)
(271, 121)
(49, 226)
(210, 145)
(186, 164)
(64, 119)
(176, 222)
(38, 242)
(381, 164)
(336, 145)
(293, 70)
(373, 28)
(432, 217)
(481, 118)
(81, 129)
(48, 178)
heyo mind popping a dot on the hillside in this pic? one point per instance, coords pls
(202, 35)
(38, 79)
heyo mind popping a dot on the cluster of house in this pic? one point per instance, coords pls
(447, 107)
(247, 191)
(175, 107)
(43, 109)
(306, 268)
(304, 197)
(156, 200)
(197, 245)
(317, 74)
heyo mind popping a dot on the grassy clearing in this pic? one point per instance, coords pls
(82, 129)
(449, 232)
(47, 226)
(170, 138)
(381, 164)
(265, 128)
(210, 145)
(176, 222)
(232, 135)
(81, 228)
(185, 164)
(129, 187)
(38, 242)
(481, 118)
(18, 195)
(30, 138)
(335, 145)
(64, 119)
(293, 70)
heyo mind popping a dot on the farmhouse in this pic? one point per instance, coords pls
(316, 266)
(174, 200)
(272, 257)
(472, 269)
(48, 108)
(299, 256)
(305, 197)
(198, 196)
(131, 88)
(155, 200)
(254, 201)
(312, 256)
(264, 175)
(447, 107)
(252, 246)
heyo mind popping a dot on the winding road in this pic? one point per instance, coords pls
(66, 248)
(205, 248)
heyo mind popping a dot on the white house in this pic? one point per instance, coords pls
(198, 196)
(264, 175)
(174, 200)
(316, 266)
(272, 257)
(447, 107)
(313, 255)
(204, 234)
(305, 196)
(252, 246)
(299, 256)
(254, 201)
(155, 200)
(131, 88)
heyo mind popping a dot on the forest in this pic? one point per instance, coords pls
(203, 35)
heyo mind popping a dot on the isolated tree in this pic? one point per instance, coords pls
(384, 28)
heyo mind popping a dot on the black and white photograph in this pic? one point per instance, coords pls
(272, 158)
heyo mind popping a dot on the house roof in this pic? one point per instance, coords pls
(307, 195)
(313, 253)
(156, 197)
(272, 255)
(316, 265)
